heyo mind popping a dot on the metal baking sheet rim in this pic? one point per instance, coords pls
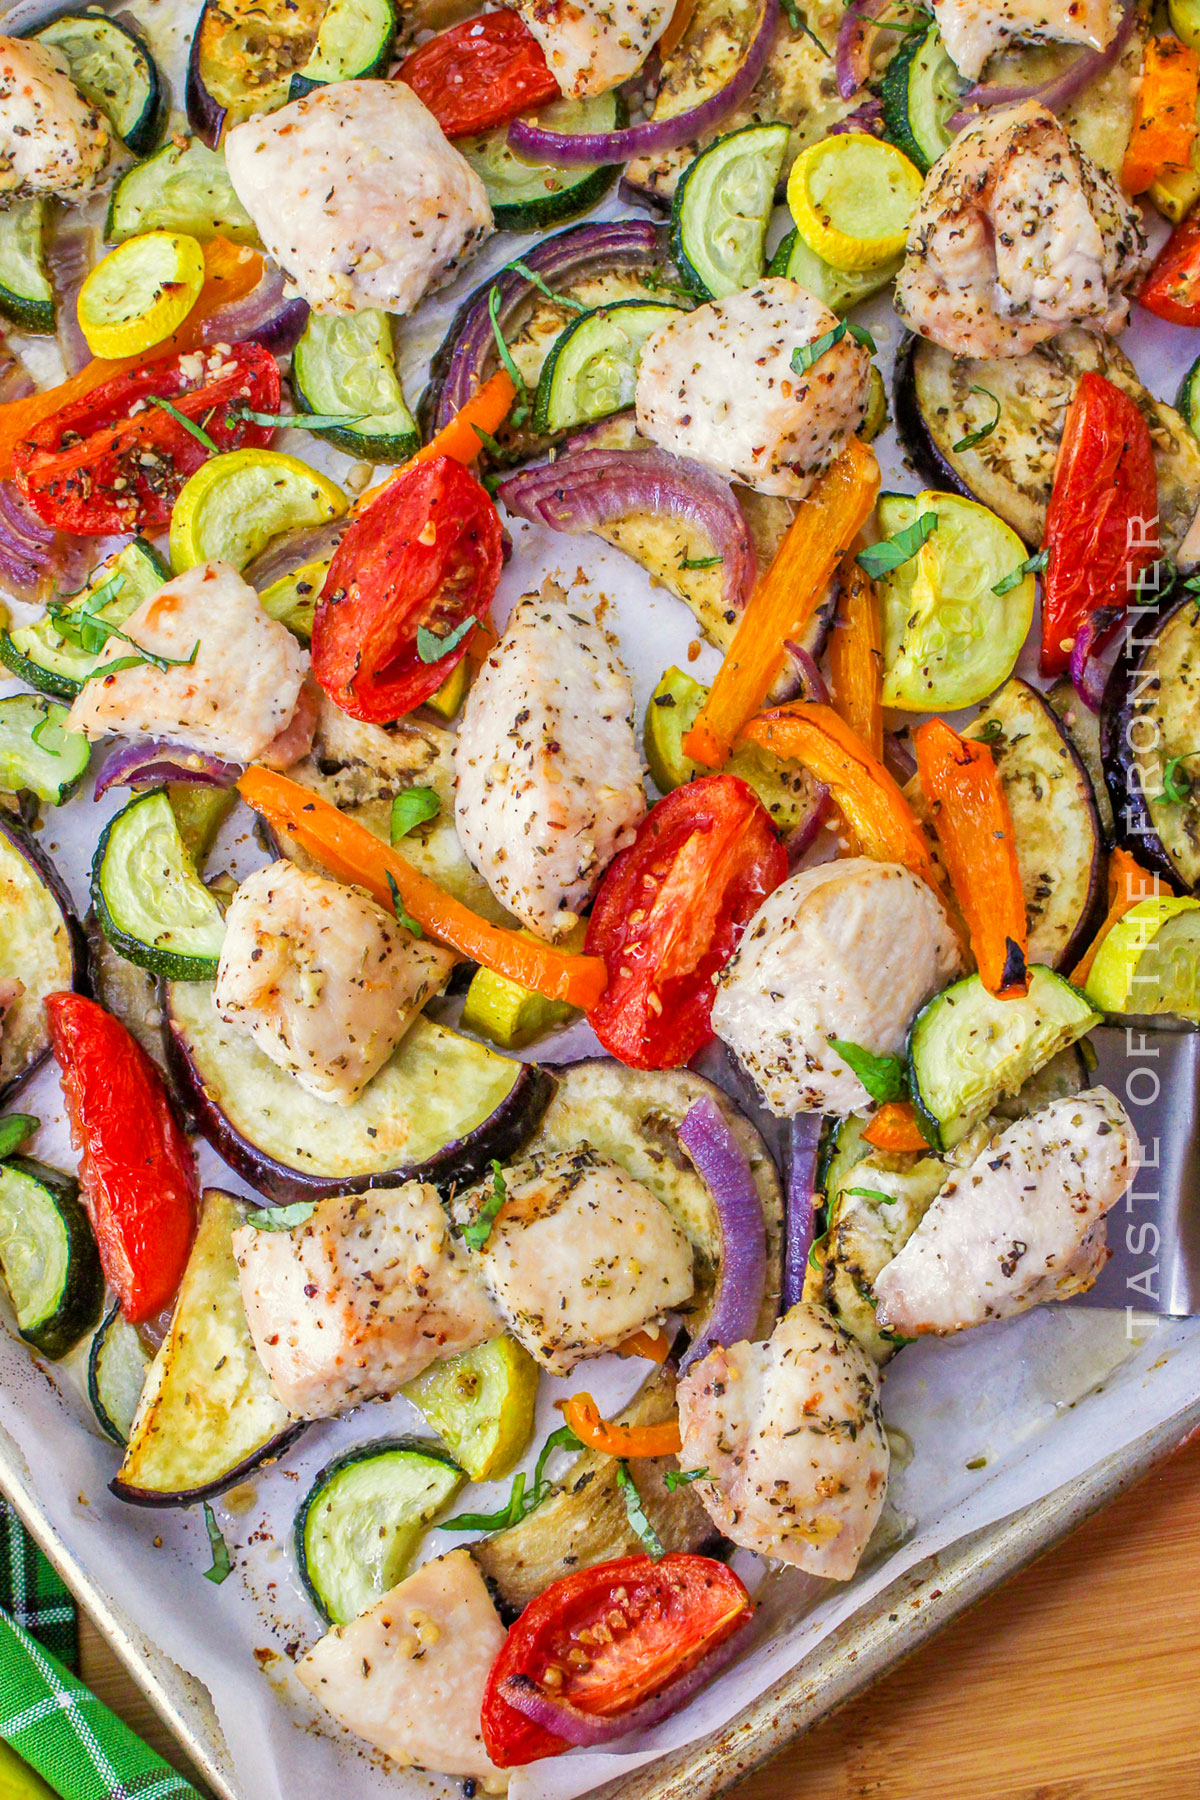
(857, 1653)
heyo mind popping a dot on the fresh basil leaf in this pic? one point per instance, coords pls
(522, 1498)
(701, 562)
(562, 1439)
(985, 431)
(222, 1562)
(403, 916)
(862, 336)
(892, 553)
(1177, 784)
(636, 1514)
(477, 1233)
(990, 732)
(293, 421)
(1033, 565)
(189, 425)
(281, 1218)
(867, 1194)
(412, 807)
(542, 288)
(431, 648)
(677, 1478)
(798, 22)
(805, 355)
(492, 445)
(521, 411)
(142, 659)
(15, 1128)
(882, 1076)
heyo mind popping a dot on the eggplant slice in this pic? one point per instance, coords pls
(207, 1416)
(1012, 470)
(439, 1111)
(1082, 726)
(633, 1116)
(1152, 715)
(42, 949)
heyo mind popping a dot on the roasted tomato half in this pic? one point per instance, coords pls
(480, 74)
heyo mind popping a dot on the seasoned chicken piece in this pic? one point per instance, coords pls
(365, 1294)
(322, 979)
(594, 45)
(580, 1255)
(1023, 1224)
(359, 196)
(847, 950)
(972, 29)
(240, 694)
(548, 780)
(1017, 235)
(408, 1675)
(717, 384)
(791, 1435)
(51, 140)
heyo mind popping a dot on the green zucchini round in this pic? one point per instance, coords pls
(48, 1256)
(150, 903)
(534, 196)
(26, 290)
(117, 1364)
(722, 207)
(113, 69)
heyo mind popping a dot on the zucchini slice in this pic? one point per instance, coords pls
(185, 186)
(293, 598)
(354, 40)
(1187, 400)
(26, 290)
(481, 1404)
(113, 69)
(921, 92)
(439, 1111)
(38, 755)
(1082, 726)
(592, 369)
(722, 208)
(347, 365)
(1149, 963)
(152, 906)
(48, 1256)
(534, 196)
(966, 1049)
(207, 1416)
(57, 658)
(362, 1519)
(235, 503)
(840, 289)
(253, 56)
(42, 949)
(1151, 718)
(117, 1365)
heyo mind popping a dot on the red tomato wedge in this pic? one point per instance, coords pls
(1102, 521)
(606, 1639)
(422, 559)
(1172, 288)
(114, 461)
(137, 1173)
(670, 912)
(480, 74)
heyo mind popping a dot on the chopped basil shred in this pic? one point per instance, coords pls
(805, 355)
(1033, 565)
(677, 1478)
(140, 661)
(477, 1233)
(882, 1076)
(222, 1562)
(14, 1129)
(79, 625)
(700, 562)
(636, 1513)
(492, 445)
(985, 431)
(412, 807)
(881, 559)
(431, 648)
(1176, 783)
(189, 425)
(520, 412)
(990, 732)
(281, 1218)
(522, 1497)
(798, 22)
(543, 288)
(295, 421)
(403, 916)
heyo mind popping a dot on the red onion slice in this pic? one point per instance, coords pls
(287, 554)
(583, 1730)
(803, 836)
(586, 489)
(33, 554)
(147, 765)
(1059, 90)
(815, 687)
(263, 314)
(70, 258)
(16, 383)
(742, 1282)
(868, 117)
(1088, 674)
(856, 36)
(803, 1146)
(655, 136)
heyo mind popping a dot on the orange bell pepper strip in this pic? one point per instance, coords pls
(865, 793)
(230, 271)
(1128, 883)
(458, 438)
(583, 1416)
(823, 529)
(655, 1346)
(895, 1128)
(856, 657)
(352, 854)
(677, 24)
(1164, 117)
(974, 828)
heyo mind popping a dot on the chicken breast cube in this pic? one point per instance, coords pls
(594, 45)
(848, 950)
(791, 1435)
(580, 1256)
(365, 1294)
(237, 698)
(717, 384)
(548, 780)
(1017, 235)
(972, 29)
(322, 979)
(52, 141)
(408, 1675)
(1023, 1224)
(359, 196)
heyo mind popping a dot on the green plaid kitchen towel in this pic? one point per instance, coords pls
(47, 1716)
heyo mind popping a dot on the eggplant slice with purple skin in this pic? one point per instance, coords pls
(207, 1417)
(633, 1116)
(1011, 470)
(438, 1111)
(42, 950)
(1150, 721)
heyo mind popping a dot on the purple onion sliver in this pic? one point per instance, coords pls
(706, 1136)
(803, 836)
(284, 555)
(70, 258)
(804, 1143)
(1057, 92)
(138, 765)
(855, 37)
(1088, 674)
(263, 314)
(587, 1730)
(898, 758)
(815, 687)
(655, 137)
(868, 117)
(16, 383)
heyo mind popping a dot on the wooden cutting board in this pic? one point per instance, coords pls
(1078, 1681)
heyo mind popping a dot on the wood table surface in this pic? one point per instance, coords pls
(1080, 1680)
